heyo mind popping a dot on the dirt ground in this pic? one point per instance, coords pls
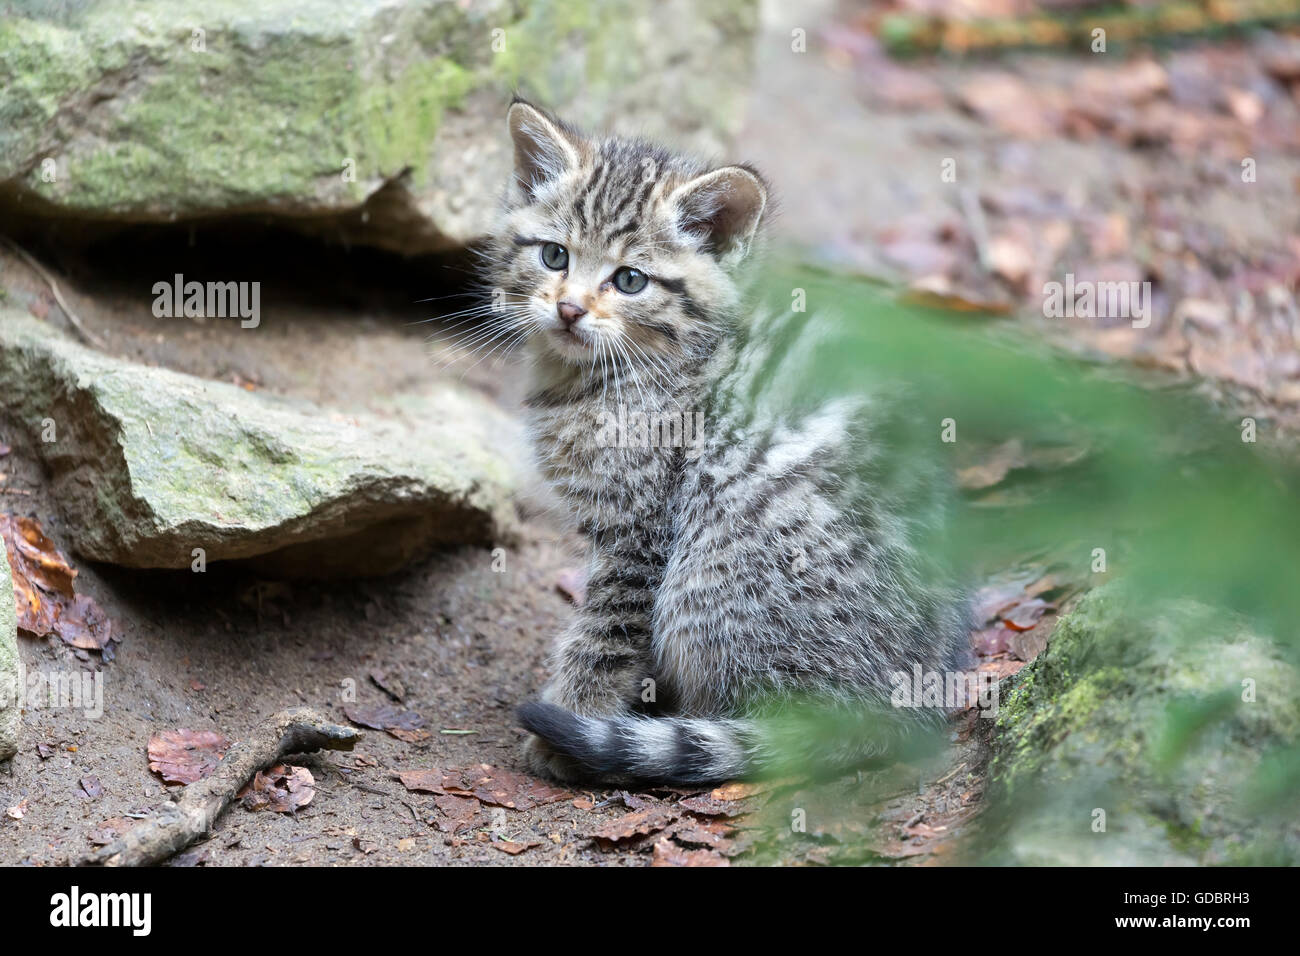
(461, 644)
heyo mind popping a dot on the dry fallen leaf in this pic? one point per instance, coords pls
(706, 806)
(409, 736)
(456, 813)
(431, 781)
(995, 598)
(1026, 645)
(713, 834)
(633, 826)
(745, 789)
(931, 296)
(1008, 103)
(668, 853)
(384, 717)
(184, 756)
(282, 789)
(1025, 614)
(514, 847)
(1135, 82)
(110, 830)
(490, 785)
(1011, 258)
(736, 790)
(41, 575)
(505, 788)
(43, 589)
(572, 583)
(991, 641)
(83, 624)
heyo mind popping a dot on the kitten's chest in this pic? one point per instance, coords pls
(609, 481)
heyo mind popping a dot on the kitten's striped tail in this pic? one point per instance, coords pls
(818, 742)
(674, 750)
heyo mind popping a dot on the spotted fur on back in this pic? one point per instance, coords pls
(752, 560)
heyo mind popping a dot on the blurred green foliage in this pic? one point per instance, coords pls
(1144, 467)
(1144, 699)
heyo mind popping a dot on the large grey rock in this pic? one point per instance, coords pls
(377, 120)
(1178, 723)
(10, 701)
(149, 464)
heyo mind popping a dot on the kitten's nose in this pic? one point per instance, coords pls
(570, 313)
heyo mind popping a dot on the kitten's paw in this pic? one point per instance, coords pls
(543, 761)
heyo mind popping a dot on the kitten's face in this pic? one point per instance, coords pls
(615, 254)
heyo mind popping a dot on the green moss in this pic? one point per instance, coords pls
(1137, 710)
(40, 67)
(604, 30)
(304, 107)
(400, 120)
(260, 117)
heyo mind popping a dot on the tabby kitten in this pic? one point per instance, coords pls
(738, 555)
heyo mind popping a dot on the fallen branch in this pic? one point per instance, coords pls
(193, 811)
(87, 336)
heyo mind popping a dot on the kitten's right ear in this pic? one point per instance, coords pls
(722, 208)
(544, 147)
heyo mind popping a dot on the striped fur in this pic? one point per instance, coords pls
(763, 563)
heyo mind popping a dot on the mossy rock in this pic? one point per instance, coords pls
(1179, 724)
(147, 465)
(10, 683)
(378, 121)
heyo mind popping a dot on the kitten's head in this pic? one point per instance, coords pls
(614, 252)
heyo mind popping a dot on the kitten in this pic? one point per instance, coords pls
(739, 554)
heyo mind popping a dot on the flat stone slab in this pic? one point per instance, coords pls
(149, 465)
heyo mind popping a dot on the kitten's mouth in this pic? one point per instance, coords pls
(570, 341)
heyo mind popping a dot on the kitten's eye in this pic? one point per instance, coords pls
(630, 281)
(555, 256)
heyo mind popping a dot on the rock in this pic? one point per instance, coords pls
(1178, 723)
(10, 702)
(148, 465)
(377, 122)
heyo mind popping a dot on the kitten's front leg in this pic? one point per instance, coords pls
(598, 672)
(600, 664)
(603, 658)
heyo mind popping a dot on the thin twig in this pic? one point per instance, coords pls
(951, 772)
(974, 213)
(174, 826)
(88, 336)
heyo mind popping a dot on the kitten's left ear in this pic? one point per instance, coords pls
(724, 206)
(544, 147)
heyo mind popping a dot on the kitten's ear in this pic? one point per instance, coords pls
(544, 147)
(724, 206)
